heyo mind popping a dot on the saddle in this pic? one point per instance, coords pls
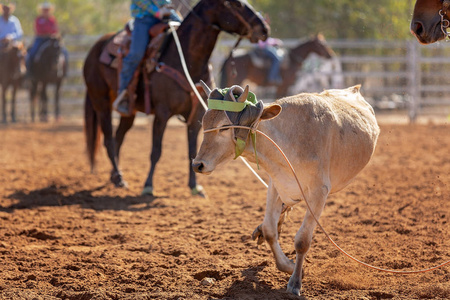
(19, 48)
(260, 59)
(119, 45)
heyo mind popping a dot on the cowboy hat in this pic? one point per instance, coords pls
(8, 4)
(46, 5)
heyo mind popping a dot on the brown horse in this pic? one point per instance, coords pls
(11, 59)
(430, 20)
(50, 66)
(198, 35)
(244, 68)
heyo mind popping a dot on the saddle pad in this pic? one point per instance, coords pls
(111, 50)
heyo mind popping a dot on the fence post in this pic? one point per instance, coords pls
(414, 69)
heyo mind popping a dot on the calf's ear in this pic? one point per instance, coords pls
(270, 112)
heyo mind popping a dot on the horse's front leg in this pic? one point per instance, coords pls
(192, 132)
(316, 199)
(274, 207)
(159, 126)
(33, 92)
(43, 116)
(125, 124)
(57, 107)
(106, 126)
(13, 103)
(4, 120)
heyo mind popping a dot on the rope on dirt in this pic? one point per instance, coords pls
(191, 83)
(317, 221)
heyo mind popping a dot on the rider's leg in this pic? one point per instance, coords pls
(139, 42)
(274, 76)
(32, 53)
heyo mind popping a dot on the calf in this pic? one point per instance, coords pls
(328, 137)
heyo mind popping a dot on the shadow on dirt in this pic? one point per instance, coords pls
(253, 287)
(58, 196)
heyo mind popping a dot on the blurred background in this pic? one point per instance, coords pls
(371, 39)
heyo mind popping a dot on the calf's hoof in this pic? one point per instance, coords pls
(293, 290)
(147, 191)
(198, 190)
(258, 235)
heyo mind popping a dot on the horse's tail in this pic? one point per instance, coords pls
(224, 75)
(91, 130)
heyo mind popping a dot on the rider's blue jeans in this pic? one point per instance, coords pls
(274, 76)
(38, 41)
(139, 41)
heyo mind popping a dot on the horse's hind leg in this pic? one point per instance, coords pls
(125, 124)
(159, 126)
(33, 91)
(13, 103)
(106, 125)
(57, 108)
(43, 115)
(4, 104)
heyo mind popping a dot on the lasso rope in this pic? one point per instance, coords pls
(191, 83)
(317, 221)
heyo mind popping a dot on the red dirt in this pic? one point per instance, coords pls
(69, 234)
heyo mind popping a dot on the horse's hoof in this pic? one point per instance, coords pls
(147, 191)
(198, 191)
(118, 181)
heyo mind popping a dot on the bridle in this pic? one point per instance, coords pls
(216, 27)
(445, 23)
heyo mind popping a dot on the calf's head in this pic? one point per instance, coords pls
(227, 107)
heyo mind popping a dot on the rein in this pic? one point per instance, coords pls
(445, 24)
(196, 92)
(255, 130)
(217, 27)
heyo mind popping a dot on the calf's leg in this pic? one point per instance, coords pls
(274, 206)
(258, 234)
(303, 238)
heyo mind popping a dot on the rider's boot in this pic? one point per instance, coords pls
(122, 104)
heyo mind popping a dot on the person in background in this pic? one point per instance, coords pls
(10, 27)
(146, 13)
(45, 27)
(270, 47)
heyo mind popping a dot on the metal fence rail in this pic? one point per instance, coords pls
(405, 70)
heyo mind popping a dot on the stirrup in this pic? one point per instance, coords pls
(119, 98)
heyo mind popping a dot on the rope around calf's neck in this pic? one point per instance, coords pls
(317, 221)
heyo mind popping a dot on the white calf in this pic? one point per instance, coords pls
(328, 137)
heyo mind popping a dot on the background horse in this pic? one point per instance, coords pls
(429, 20)
(11, 60)
(198, 35)
(244, 68)
(49, 66)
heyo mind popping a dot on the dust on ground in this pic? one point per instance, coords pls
(68, 234)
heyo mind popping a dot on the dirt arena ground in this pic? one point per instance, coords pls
(69, 234)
